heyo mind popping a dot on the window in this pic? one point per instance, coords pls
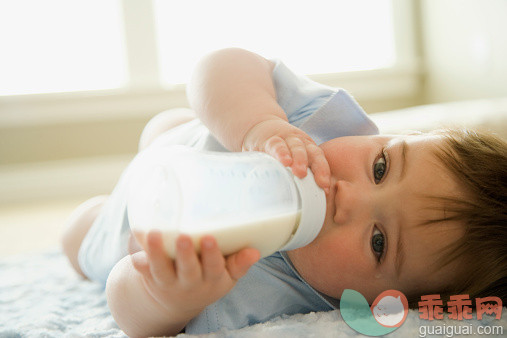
(61, 45)
(89, 59)
(321, 36)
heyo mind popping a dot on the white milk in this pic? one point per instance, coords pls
(267, 235)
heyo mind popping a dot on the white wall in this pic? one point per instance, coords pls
(465, 47)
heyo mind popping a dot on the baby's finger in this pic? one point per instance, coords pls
(141, 264)
(277, 147)
(188, 266)
(133, 245)
(213, 263)
(161, 266)
(238, 264)
(299, 155)
(319, 166)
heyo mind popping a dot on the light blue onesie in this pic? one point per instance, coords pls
(272, 286)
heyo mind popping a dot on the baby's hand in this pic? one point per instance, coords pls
(292, 147)
(188, 284)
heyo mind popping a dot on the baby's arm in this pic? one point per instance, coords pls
(149, 294)
(232, 92)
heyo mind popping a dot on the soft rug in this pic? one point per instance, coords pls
(41, 296)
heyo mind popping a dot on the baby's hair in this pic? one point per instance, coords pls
(478, 162)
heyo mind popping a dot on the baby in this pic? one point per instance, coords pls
(421, 213)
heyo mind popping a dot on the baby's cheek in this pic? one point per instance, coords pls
(341, 254)
(348, 257)
(341, 269)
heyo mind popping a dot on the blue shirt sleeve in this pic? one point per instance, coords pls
(323, 112)
(298, 95)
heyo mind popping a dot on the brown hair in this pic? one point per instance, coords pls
(478, 163)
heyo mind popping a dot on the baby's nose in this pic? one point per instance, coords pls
(350, 201)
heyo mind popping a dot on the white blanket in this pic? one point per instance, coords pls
(41, 296)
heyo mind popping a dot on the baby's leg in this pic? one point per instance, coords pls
(162, 122)
(84, 215)
(77, 225)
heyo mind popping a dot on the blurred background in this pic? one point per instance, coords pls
(79, 79)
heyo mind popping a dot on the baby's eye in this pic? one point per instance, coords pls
(379, 168)
(378, 243)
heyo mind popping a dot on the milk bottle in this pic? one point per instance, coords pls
(246, 199)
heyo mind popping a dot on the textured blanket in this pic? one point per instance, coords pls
(41, 296)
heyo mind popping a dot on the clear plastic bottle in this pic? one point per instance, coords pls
(246, 199)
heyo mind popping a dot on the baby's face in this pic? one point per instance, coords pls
(370, 240)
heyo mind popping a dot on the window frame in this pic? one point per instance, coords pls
(144, 95)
